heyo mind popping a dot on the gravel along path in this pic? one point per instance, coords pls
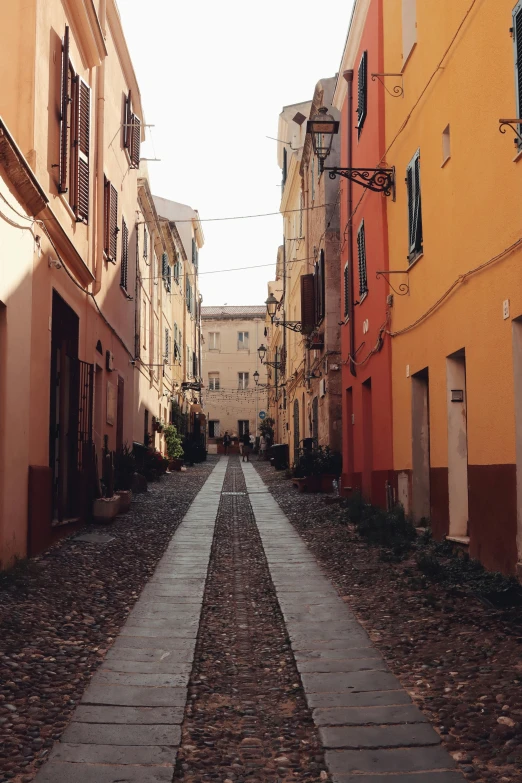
(246, 718)
(60, 612)
(460, 661)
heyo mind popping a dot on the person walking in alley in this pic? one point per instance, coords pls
(262, 447)
(245, 440)
(226, 441)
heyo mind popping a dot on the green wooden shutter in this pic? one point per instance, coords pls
(414, 207)
(346, 290)
(361, 251)
(362, 92)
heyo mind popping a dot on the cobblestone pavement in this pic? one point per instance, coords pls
(60, 612)
(283, 682)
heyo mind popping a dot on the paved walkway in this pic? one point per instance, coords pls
(128, 725)
(371, 731)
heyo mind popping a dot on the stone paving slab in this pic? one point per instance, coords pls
(360, 716)
(127, 727)
(142, 716)
(399, 736)
(56, 772)
(389, 760)
(119, 734)
(360, 708)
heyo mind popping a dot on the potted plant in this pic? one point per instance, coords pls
(124, 469)
(106, 507)
(174, 447)
(316, 469)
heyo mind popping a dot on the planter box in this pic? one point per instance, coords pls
(125, 496)
(175, 464)
(315, 483)
(139, 484)
(300, 483)
(105, 509)
(327, 482)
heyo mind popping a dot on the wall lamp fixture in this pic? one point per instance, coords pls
(262, 350)
(272, 306)
(322, 127)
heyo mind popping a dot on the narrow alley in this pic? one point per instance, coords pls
(239, 661)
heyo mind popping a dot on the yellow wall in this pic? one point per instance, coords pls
(471, 209)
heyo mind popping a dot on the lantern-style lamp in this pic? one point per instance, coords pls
(271, 306)
(262, 352)
(323, 128)
(256, 377)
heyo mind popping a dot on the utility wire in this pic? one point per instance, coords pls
(247, 217)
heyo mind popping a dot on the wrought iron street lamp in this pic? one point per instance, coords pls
(323, 127)
(271, 306)
(262, 356)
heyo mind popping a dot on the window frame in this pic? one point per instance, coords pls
(215, 335)
(243, 380)
(362, 262)
(246, 344)
(414, 191)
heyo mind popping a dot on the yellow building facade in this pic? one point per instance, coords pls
(454, 240)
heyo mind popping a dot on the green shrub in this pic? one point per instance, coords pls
(173, 442)
(124, 468)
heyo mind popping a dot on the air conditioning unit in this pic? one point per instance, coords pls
(322, 387)
(109, 361)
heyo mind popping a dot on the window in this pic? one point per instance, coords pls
(166, 271)
(346, 290)
(313, 179)
(213, 341)
(145, 244)
(177, 269)
(131, 133)
(167, 344)
(75, 136)
(319, 288)
(195, 252)
(361, 254)
(124, 271)
(195, 364)
(242, 427)
(213, 429)
(362, 92)
(414, 207)
(144, 324)
(409, 27)
(446, 144)
(242, 341)
(177, 337)
(242, 380)
(189, 296)
(156, 346)
(301, 207)
(110, 224)
(213, 381)
(188, 361)
(285, 168)
(517, 39)
(307, 303)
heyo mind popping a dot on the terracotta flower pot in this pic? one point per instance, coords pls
(125, 496)
(105, 509)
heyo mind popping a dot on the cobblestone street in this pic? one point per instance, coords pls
(239, 662)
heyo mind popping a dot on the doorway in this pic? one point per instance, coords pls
(457, 444)
(119, 413)
(420, 447)
(71, 409)
(350, 462)
(367, 412)
(315, 420)
(297, 436)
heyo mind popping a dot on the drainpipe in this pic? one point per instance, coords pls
(100, 121)
(348, 75)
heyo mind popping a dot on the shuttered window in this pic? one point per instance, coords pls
(110, 230)
(517, 39)
(124, 254)
(195, 253)
(414, 207)
(319, 289)
(145, 243)
(82, 125)
(166, 271)
(131, 133)
(346, 290)
(362, 92)
(307, 304)
(361, 254)
(167, 344)
(64, 114)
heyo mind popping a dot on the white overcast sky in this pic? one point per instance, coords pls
(213, 78)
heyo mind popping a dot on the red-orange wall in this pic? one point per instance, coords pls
(374, 445)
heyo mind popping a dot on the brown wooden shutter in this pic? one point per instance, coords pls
(135, 142)
(307, 304)
(113, 223)
(82, 147)
(64, 134)
(124, 254)
(106, 214)
(127, 114)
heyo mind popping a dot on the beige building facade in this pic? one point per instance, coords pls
(232, 400)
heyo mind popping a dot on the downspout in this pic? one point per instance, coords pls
(100, 196)
(348, 75)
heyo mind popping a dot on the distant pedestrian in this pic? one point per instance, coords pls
(226, 441)
(245, 439)
(263, 443)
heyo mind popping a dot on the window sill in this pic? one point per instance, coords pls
(463, 540)
(363, 297)
(408, 57)
(415, 259)
(518, 156)
(443, 164)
